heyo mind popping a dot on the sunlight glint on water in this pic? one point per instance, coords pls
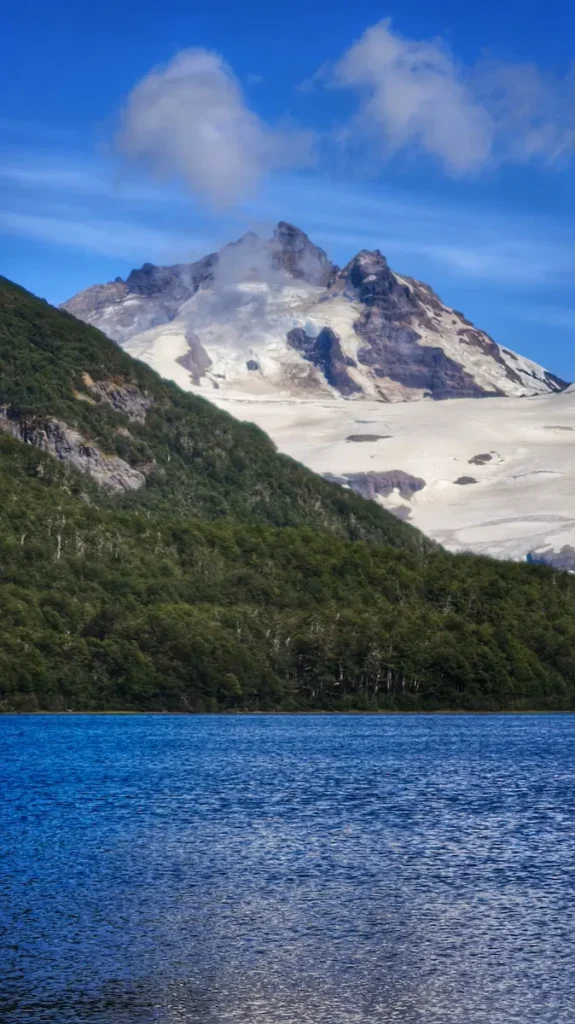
(287, 870)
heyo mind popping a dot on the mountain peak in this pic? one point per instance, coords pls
(366, 262)
(150, 279)
(249, 309)
(369, 276)
(297, 256)
(248, 238)
(287, 233)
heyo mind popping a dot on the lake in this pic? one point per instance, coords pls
(287, 869)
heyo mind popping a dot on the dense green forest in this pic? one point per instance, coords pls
(232, 578)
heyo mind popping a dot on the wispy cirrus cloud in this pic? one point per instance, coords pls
(69, 200)
(121, 239)
(77, 204)
(71, 175)
(513, 260)
(440, 239)
(562, 317)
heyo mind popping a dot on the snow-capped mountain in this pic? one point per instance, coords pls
(329, 363)
(276, 317)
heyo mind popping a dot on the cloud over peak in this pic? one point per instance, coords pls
(190, 119)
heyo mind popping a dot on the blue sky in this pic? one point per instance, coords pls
(445, 137)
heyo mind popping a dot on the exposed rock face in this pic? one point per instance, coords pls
(367, 437)
(562, 559)
(393, 350)
(300, 258)
(123, 398)
(370, 485)
(196, 360)
(364, 331)
(67, 445)
(325, 352)
(99, 296)
(392, 347)
(368, 278)
(149, 297)
(486, 345)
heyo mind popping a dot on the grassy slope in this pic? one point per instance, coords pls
(234, 579)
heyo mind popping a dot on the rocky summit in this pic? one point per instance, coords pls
(277, 317)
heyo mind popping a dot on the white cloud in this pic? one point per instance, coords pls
(414, 94)
(70, 175)
(190, 119)
(533, 114)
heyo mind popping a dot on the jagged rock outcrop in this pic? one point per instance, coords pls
(147, 298)
(293, 253)
(123, 398)
(392, 346)
(325, 352)
(196, 360)
(380, 484)
(363, 331)
(480, 460)
(368, 279)
(564, 558)
(63, 443)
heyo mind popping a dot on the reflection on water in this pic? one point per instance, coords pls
(287, 870)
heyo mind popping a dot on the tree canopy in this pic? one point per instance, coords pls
(234, 579)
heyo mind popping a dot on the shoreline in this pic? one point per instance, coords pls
(284, 714)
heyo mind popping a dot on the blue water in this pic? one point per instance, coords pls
(287, 870)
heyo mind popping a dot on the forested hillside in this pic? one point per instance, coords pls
(157, 554)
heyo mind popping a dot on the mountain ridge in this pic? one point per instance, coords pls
(390, 337)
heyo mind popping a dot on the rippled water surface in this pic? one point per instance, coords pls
(287, 870)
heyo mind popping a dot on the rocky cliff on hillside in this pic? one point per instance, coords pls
(276, 317)
(62, 442)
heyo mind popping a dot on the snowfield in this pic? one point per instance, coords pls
(523, 497)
